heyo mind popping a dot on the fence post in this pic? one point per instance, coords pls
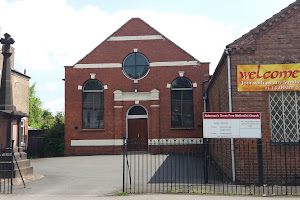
(205, 161)
(260, 163)
(12, 165)
(124, 138)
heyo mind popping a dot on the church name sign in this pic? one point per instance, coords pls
(231, 125)
(275, 77)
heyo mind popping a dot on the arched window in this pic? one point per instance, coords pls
(92, 105)
(182, 108)
(135, 66)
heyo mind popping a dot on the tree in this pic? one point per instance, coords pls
(55, 141)
(48, 120)
(43, 119)
(35, 109)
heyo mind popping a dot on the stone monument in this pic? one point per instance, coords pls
(10, 117)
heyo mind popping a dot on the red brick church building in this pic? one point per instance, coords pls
(136, 84)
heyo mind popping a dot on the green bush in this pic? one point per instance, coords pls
(55, 142)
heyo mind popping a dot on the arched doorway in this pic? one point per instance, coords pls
(137, 129)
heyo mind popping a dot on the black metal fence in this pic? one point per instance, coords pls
(179, 166)
(36, 143)
(36, 146)
(6, 169)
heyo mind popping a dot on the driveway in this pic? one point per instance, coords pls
(79, 175)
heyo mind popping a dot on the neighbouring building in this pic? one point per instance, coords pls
(265, 77)
(20, 93)
(14, 110)
(136, 84)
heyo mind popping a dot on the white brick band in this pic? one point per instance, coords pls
(104, 142)
(141, 37)
(175, 141)
(152, 64)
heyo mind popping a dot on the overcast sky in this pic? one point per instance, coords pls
(51, 34)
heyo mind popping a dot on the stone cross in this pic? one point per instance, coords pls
(7, 41)
(6, 96)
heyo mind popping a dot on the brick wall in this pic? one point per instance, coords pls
(278, 44)
(159, 118)
(20, 89)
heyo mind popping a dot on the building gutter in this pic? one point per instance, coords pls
(230, 110)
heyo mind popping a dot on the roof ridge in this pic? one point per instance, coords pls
(267, 24)
(135, 18)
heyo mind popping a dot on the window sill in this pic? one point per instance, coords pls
(183, 128)
(92, 130)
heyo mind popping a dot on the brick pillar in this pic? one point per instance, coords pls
(118, 121)
(118, 109)
(154, 120)
(154, 134)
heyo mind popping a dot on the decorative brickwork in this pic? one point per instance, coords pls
(119, 87)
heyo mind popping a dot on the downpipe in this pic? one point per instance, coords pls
(230, 110)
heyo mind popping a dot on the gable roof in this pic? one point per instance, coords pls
(243, 44)
(252, 35)
(130, 28)
(135, 27)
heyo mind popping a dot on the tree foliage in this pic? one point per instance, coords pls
(43, 119)
(55, 141)
(38, 117)
(35, 109)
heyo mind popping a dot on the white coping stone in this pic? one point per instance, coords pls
(79, 87)
(195, 85)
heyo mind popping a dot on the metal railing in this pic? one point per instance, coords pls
(168, 166)
(6, 169)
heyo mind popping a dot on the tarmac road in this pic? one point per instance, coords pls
(78, 175)
(92, 178)
(141, 197)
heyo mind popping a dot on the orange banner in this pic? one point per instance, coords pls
(275, 77)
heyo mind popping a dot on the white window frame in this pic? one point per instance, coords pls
(285, 116)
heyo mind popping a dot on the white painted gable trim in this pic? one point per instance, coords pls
(99, 65)
(173, 63)
(141, 37)
(152, 64)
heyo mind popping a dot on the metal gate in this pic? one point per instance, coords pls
(180, 167)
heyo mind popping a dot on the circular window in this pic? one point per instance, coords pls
(135, 66)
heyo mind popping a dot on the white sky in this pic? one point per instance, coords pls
(50, 34)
